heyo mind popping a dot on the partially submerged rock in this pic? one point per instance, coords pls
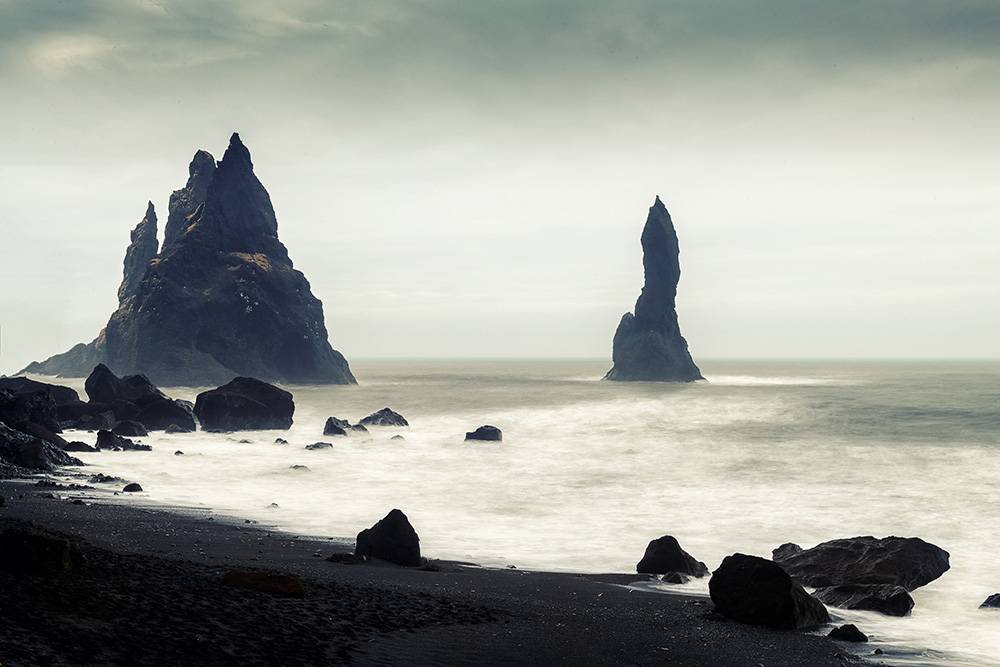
(665, 554)
(648, 345)
(319, 445)
(909, 562)
(755, 590)
(333, 427)
(992, 602)
(489, 433)
(265, 582)
(885, 598)
(384, 417)
(132, 488)
(848, 633)
(392, 539)
(244, 404)
(106, 440)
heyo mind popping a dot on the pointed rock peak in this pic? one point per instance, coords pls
(201, 162)
(150, 211)
(236, 154)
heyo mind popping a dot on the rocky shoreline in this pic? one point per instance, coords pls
(158, 586)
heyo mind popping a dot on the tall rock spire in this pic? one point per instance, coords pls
(142, 248)
(648, 345)
(184, 202)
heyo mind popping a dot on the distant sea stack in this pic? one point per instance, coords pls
(219, 299)
(648, 345)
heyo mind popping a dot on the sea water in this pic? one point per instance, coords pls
(588, 471)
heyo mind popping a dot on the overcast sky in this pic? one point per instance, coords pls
(462, 178)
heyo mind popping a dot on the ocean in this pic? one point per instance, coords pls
(762, 453)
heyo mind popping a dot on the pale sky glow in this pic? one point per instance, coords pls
(470, 178)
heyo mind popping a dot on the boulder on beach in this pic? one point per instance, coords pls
(648, 345)
(265, 582)
(992, 602)
(108, 441)
(244, 404)
(392, 539)
(130, 429)
(384, 417)
(758, 591)
(885, 598)
(27, 451)
(132, 488)
(489, 433)
(848, 633)
(909, 562)
(664, 554)
(335, 426)
(35, 552)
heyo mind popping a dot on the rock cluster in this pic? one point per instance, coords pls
(220, 299)
(648, 345)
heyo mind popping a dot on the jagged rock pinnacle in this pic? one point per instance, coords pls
(142, 248)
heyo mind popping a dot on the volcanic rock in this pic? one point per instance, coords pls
(27, 451)
(992, 602)
(665, 554)
(336, 426)
(384, 417)
(755, 590)
(221, 299)
(909, 562)
(106, 440)
(392, 539)
(487, 432)
(848, 633)
(785, 550)
(77, 446)
(130, 429)
(884, 598)
(132, 488)
(319, 445)
(648, 345)
(245, 404)
(22, 385)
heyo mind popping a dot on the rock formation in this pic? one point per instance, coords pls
(665, 555)
(883, 598)
(245, 404)
(221, 298)
(391, 539)
(648, 345)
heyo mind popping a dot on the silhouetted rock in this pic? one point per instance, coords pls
(26, 451)
(992, 602)
(384, 417)
(785, 550)
(665, 554)
(222, 298)
(130, 429)
(280, 441)
(21, 385)
(909, 562)
(649, 344)
(491, 433)
(336, 426)
(132, 488)
(265, 582)
(163, 414)
(38, 553)
(392, 539)
(245, 404)
(142, 249)
(77, 446)
(106, 440)
(29, 407)
(178, 453)
(885, 598)
(848, 633)
(103, 386)
(755, 590)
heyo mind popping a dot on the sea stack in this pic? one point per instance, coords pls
(648, 345)
(220, 299)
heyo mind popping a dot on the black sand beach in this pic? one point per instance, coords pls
(151, 593)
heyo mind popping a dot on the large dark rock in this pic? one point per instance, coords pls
(26, 451)
(488, 433)
(336, 426)
(909, 562)
(221, 299)
(884, 598)
(22, 385)
(161, 415)
(848, 633)
(648, 345)
(384, 417)
(103, 386)
(391, 539)
(992, 602)
(34, 552)
(35, 407)
(755, 590)
(245, 404)
(664, 554)
(130, 429)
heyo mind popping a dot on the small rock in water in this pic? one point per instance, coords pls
(280, 441)
(336, 426)
(273, 505)
(384, 417)
(848, 633)
(132, 488)
(397, 437)
(244, 441)
(319, 445)
(178, 453)
(298, 467)
(487, 432)
(992, 602)
(101, 478)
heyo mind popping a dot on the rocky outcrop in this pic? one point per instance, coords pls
(848, 633)
(26, 451)
(992, 602)
(141, 251)
(755, 590)
(384, 417)
(487, 432)
(133, 398)
(883, 598)
(221, 299)
(665, 554)
(392, 539)
(909, 562)
(245, 404)
(648, 345)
